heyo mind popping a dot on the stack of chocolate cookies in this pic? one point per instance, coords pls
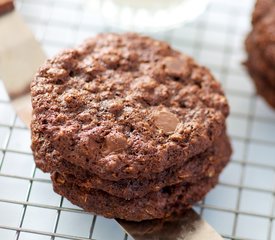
(260, 46)
(128, 127)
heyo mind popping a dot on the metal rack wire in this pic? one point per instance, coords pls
(242, 206)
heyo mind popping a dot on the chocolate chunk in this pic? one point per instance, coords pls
(165, 120)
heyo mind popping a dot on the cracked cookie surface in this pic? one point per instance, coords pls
(106, 105)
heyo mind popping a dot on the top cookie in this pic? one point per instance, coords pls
(124, 106)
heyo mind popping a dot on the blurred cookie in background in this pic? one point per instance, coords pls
(260, 47)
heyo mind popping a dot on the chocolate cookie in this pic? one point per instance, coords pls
(154, 205)
(264, 35)
(202, 165)
(128, 127)
(124, 106)
(260, 10)
(263, 87)
(6, 6)
(260, 46)
(256, 62)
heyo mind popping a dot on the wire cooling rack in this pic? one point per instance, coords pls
(242, 206)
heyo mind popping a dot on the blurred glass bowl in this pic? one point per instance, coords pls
(147, 15)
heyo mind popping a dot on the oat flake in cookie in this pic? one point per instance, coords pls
(127, 109)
